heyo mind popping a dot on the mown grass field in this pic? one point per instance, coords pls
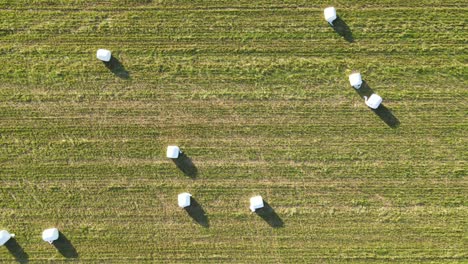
(256, 93)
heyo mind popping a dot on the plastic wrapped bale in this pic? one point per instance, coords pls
(184, 199)
(256, 202)
(330, 14)
(173, 152)
(373, 101)
(104, 55)
(5, 236)
(50, 235)
(355, 80)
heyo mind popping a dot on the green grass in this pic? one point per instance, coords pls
(256, 93)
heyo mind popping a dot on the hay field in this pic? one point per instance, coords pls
(256, 94)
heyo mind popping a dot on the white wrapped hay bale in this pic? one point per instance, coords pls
(355, 80)
(330, 14)
(5, 236)
(183, 199)
(50, 235)
(373, 101)
(256, 202)
(104, 55)
(173, 152)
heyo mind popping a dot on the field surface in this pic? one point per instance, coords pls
(256, 94)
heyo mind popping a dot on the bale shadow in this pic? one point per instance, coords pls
(197, 213)
(270, 216)
(365, 90)
(185, 164)
(116, 67)
(65, 247)
(17, 251)
(342, 29)
(382, 112)
(387, 116)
